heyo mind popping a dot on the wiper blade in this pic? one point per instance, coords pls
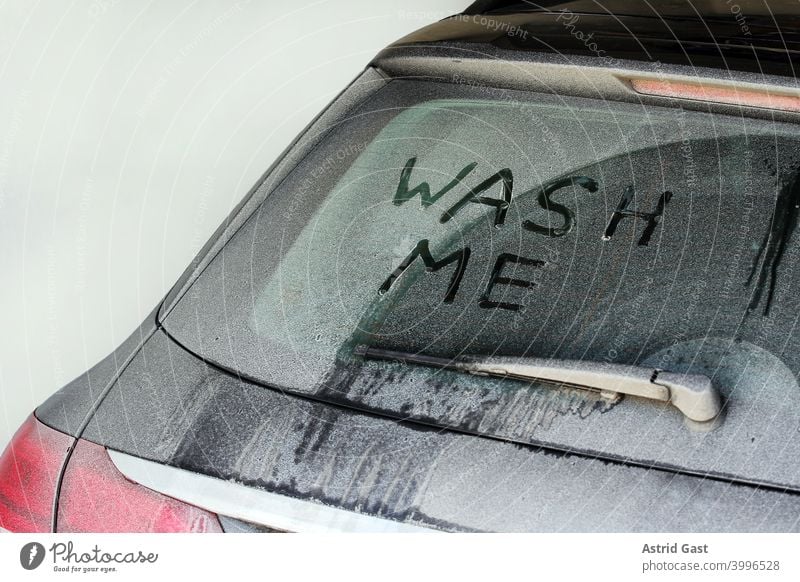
(693, 394)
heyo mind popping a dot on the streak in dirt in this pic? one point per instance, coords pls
(782, 226)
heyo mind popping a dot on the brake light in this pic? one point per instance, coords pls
(730, 95)
(96, 497)
(29, 469)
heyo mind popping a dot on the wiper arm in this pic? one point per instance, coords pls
(692, 394)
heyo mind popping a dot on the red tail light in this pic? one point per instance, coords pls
(94, 497)
(29, 469)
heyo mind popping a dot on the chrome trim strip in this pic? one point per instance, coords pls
(253, 505)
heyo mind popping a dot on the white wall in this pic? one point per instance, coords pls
(128, 130)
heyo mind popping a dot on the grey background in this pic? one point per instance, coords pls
(128, 130)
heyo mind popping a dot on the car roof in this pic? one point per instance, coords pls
(706, 9)
(746, 36)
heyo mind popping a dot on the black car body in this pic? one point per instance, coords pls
(610, 182)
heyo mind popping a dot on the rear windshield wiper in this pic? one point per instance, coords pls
(692, 394)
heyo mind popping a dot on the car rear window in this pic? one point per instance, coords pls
(452, 220)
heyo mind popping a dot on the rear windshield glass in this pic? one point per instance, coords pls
(454, 220)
